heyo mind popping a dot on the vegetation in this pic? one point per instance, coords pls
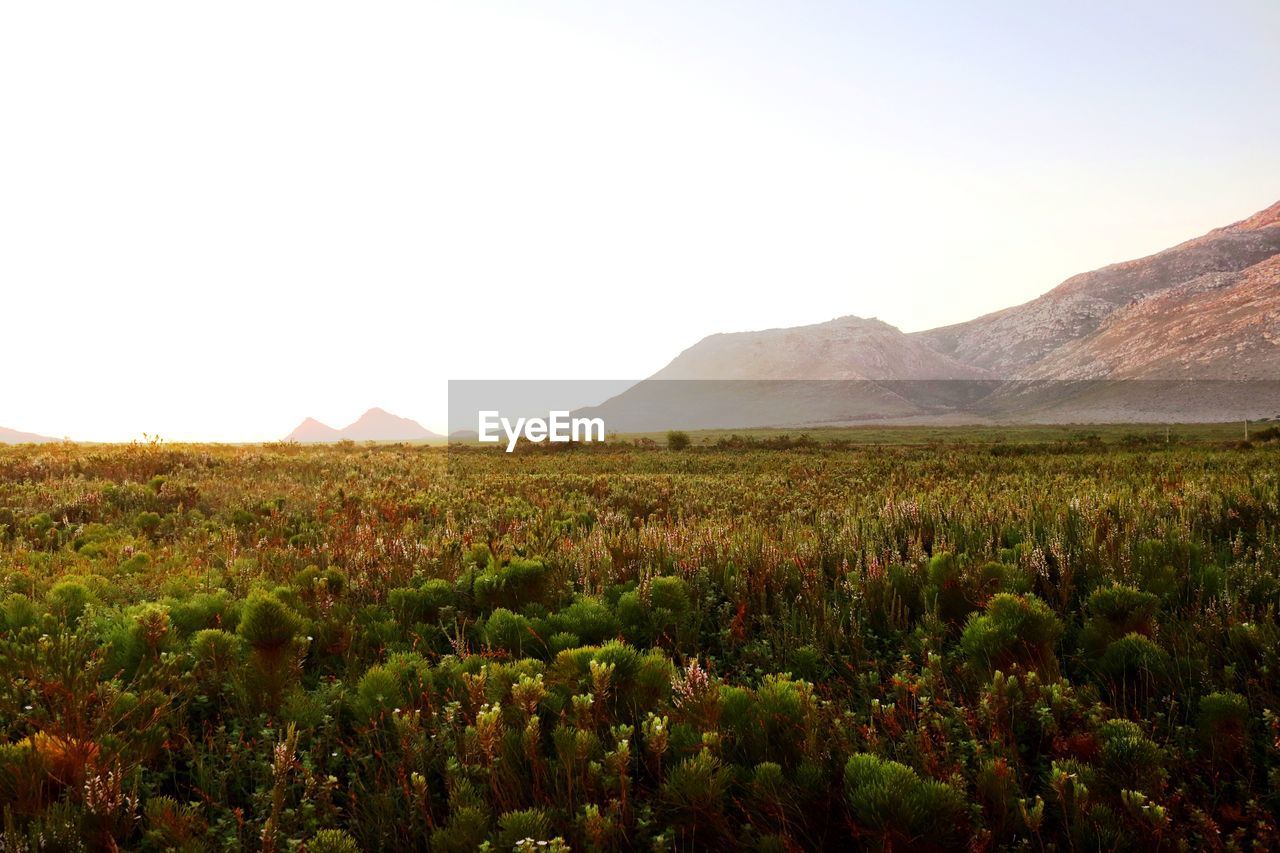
(769, 644)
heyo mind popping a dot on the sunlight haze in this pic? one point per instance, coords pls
(218, 219)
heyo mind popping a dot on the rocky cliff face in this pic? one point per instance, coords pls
(1025, 341)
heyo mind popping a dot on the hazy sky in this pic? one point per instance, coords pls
(218, 218)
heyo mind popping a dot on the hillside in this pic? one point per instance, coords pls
(13, 436)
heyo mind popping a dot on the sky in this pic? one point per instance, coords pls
(218, 219)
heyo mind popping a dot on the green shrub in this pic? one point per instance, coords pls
(312, 580)
(1130, 760)
(662, 613)
(68, 600)
(695, 790)
(332, 841)
(215, 651)
(18, 611)
(508, 631)
(677, 440)
(1014, 629)
(1223, 721)
(514, 827)
(1114, 612)
(588, 618)
(422, 604)
(1135, 663)
(891, 801)
(267, 623)
(514, 585)
(204, 610)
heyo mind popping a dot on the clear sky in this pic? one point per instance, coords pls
(218, 218)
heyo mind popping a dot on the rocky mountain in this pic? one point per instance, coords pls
(1191, 333)
(1026, 341)
(13, 436)
(374, 425)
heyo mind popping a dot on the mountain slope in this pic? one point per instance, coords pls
(1011, 343)
(13, 436)
(1215, 326)
(847, 348)
(374, 425)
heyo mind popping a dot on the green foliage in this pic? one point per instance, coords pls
(422, 604)
(889, 800)
(514, 585)
(68, 599)
(1116, 611)
(332, 841)
(266, 623)
(768, 644)
(516, 826)
(1013, 630)
(677, 440)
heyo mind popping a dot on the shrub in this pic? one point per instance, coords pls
(1129, 758)
(1014, 629)
(203, 610)
(18, 611)
(423, 604)
(215, 652)
(312, 580)
(68, 599)
(266, 623)
(1135, 665)
(588, 618)
(514, 585)
(771, 723)
(891, 801)
(400, 683)
(1223, 721)
(508, 631)
(514, 827)
(332, 841)
(147, 522)
(677, 440)
(695, 790)
(1114, 612)
(666, 615)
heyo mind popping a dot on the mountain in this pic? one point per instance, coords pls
(374, 425)
(312, 431)
(12, 436)
(847, 348)
(379, 425)
(1191, 333)
(1024, 341)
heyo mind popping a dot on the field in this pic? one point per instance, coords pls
(1062, 639)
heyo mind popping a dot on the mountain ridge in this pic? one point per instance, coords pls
(376, 424)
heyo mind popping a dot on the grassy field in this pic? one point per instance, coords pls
(911, 638)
